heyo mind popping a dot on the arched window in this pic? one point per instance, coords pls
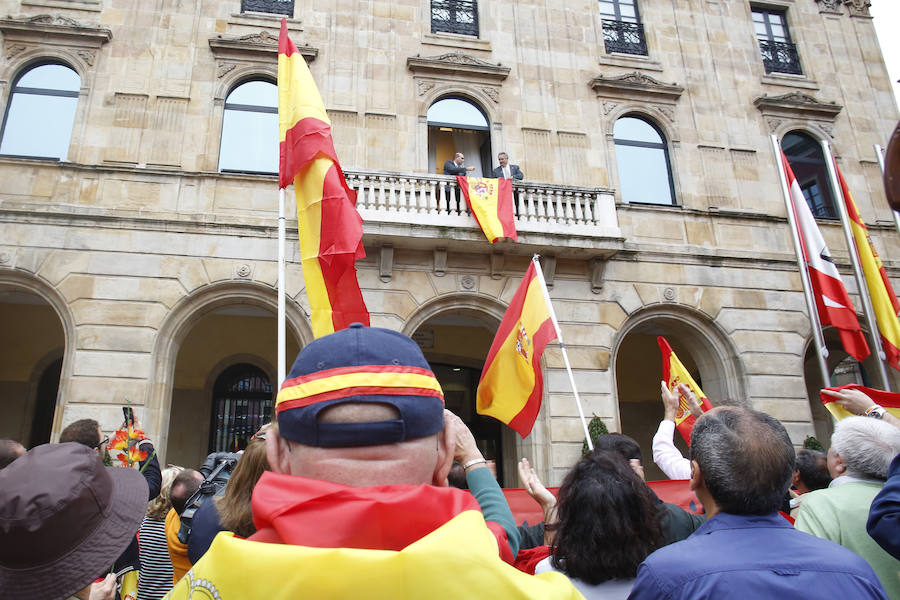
(41, 111)
(642, 155)
(250, 129)
(805, 156)
(458, 125)
(242, 402)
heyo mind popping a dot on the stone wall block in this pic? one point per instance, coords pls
(124, 339)
(588, 381)
(95, 363)
(650, 294)
(77, 287)
(579, 358)
(732, 319)
(106, 312)
(60, 263)
(189, 271)
(778, 386)
(132, 265)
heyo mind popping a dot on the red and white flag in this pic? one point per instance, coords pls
(832, 301)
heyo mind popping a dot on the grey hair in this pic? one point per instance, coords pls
(746, 458)
(866, 445)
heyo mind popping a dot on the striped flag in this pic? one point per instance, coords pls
(832, 301)
(884, 301)
(330, 227)
(491, 201)
(673, 374)
(887, 400)
(511, 383)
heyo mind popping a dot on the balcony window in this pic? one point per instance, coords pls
(41, 112)
(454, 16)
(805, 156)
(642, 155)
(622, 29)
(779, 54)
(250, 129)
(277, 7)
(458, 125)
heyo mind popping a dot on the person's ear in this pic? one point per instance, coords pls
(795, 478)
(446, 444)
(697, 481)
(278, 453)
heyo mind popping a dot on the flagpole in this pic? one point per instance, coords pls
(281, 289)
(879, 153)
(559, 338)
(861, 284)
(818, 337)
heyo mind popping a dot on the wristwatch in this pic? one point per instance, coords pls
(876, 412)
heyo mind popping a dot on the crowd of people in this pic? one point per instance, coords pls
(345, 494)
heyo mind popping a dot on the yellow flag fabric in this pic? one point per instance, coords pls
(674, 373)
(457, 560)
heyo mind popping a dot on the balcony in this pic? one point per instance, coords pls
(624, 37)
(454, 16)
(277, 7)
(426, 212)
(780, 57)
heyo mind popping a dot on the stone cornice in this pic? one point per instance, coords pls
(636, 85)
(455, 64)
(60, 29)
(798, 105)
(254, 46)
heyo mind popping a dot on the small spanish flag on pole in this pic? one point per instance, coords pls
(330, 227)
(511, 385)
(673, 374)
(491, 201)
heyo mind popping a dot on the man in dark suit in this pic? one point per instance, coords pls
(455, 166)
(506, 170)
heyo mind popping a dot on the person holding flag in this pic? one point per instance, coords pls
(666, 456)
(852, 399)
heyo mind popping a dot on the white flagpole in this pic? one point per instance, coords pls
(818, 337)
(281, 290)
(559, 338)
(879, 153)
(861, 284)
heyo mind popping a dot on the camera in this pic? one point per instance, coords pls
(216, 470)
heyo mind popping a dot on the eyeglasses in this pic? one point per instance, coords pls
(101, 442)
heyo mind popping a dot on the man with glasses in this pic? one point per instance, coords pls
(455, 166)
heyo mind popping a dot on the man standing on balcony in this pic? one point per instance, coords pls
(506, 170)
(455, 166)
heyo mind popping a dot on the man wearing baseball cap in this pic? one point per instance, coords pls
(357, 503)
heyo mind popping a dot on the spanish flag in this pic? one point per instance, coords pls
(673, 374)
(330, 227)
(491, 201)
(887, 400)
(511, 383)
(884, 301)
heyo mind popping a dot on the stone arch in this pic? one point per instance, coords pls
(187, 313)
(811, 128)
(487, 305)
(18, 280)
(700, 344)
(471, 93)
(241, 74)
(663, 124)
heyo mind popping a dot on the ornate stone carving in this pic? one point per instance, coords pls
(455, 64)
(424, 86)
(53, 30)
(492, 93)
(53, 20)
(773, 123)
(467, 282)
(87, 56)
(263, 38)
(243, 271)
(831, 6)
(255, 46)
(636, 86)
(608, 107)
(14, 50)
(797, 105)
(827, 128)
(668, 111)
(224, 69)
(858, 8)
(669, 294)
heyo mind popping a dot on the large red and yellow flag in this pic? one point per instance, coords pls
(884, 301)
(511, 382)
(673, 374)
(887, 400)
(330, 227)
(491, 201)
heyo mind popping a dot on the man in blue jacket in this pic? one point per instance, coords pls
(741, 466)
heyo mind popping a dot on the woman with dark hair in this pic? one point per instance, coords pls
(607, 523)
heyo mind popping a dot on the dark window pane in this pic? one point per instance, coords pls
(805, 156)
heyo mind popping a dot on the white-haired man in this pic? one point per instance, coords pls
(858, 460)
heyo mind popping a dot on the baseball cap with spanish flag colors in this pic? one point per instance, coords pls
(360, 364)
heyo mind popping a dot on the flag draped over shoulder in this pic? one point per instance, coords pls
(832, 301)
(887, 400)
(673, 374)
(330, 227)
(491, 201)
(884, 301)
(511, 383)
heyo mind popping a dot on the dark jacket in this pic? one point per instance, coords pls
(514, 172)
(450, 168)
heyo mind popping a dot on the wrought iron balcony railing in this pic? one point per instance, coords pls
(624, 37)
(277, 7)
(780, 57)
(454, 16)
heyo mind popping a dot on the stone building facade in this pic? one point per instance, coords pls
(137, 264)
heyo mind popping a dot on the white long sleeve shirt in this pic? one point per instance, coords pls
(666, 456)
